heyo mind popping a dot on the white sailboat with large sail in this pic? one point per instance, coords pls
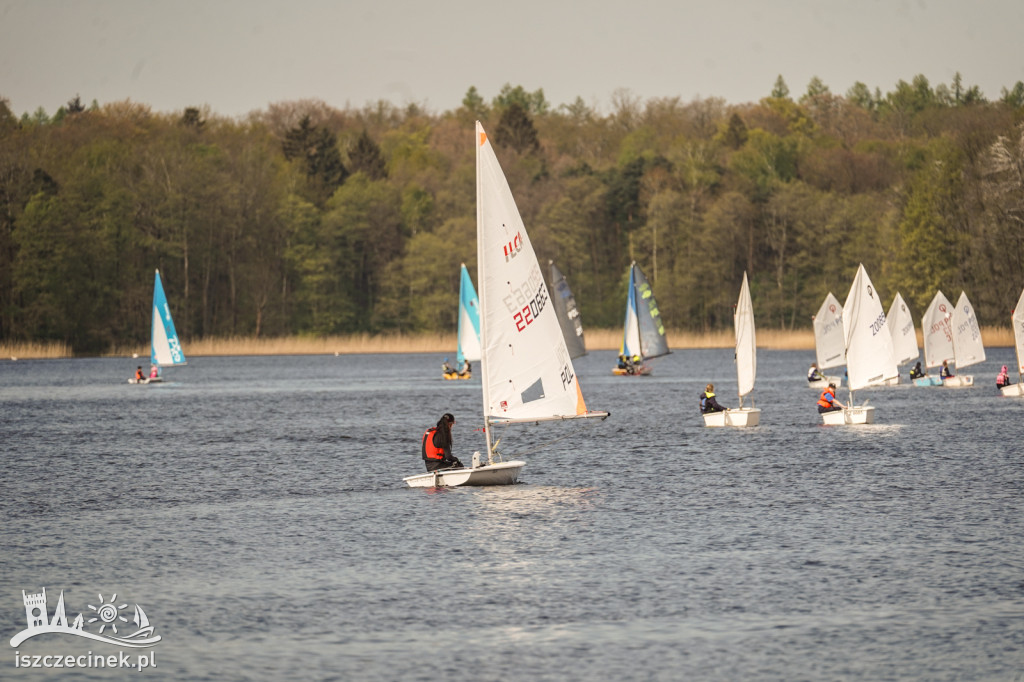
(746, 366)
(568, 314)
(901, 328)
(937, 330)
(1017, 318)
(968, 348)
(468, 330)
(164, 347)
(869, 356)
(828, 341)
(643, 334)
(527, 374)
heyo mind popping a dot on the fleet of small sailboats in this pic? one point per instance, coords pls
(643, 334)
(165, 348)
(951, 335)
(527, 375)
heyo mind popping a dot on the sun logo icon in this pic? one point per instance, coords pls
(107, 613)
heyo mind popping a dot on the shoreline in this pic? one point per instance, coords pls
(362, 344)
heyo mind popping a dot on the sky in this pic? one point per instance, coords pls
(239, 56)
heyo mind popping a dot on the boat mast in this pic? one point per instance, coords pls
(481, 279)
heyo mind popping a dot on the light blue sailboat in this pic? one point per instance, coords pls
(469, 330)
(165, 348)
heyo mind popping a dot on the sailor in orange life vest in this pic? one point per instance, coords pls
(437, 445)
(827, 402)
(139, 376)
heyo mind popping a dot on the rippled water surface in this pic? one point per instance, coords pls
(255, 508)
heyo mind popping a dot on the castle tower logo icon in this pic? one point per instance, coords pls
(106, 617)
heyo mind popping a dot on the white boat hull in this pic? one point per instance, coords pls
(928, 381)
(858, 414)
(502, 473)
(1013, 390)
(149, 380)
(823, 383)
(743, 416)
(959, 381)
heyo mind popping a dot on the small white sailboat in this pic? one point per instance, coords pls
(643, 334)
(1017, 318)
(527, 374)
(568, 314)
(469, 329)
(869, 355)
(828, 341)
(165, 348)
(968, 348)
(901, 328)
(937, 330)
(746, 366)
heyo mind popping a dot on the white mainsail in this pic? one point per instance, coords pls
(746, 341)
(1018, 333)
(967, 345)
(828, 333)
(937, 328)
(869, 356)
(901, 329)
(527, 372)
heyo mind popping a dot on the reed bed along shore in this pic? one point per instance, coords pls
(356, 344)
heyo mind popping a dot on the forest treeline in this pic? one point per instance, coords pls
(307, 219)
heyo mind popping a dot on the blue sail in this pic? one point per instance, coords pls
(165, 348)
(469, 321)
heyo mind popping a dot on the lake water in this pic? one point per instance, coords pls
(254, 507)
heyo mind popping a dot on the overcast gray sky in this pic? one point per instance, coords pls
(241, 55)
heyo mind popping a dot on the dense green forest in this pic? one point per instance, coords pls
(306, 219)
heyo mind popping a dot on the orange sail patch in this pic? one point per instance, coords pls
(581, 405)
(483, 138)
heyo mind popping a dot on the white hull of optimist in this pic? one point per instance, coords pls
(502, 473)
(148, 380)
(859, 414)
(959, 381)
(743, 416)
(1013, 390)
(928, 381)
(823, 383)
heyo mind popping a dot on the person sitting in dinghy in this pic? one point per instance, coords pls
(708, 402)
(946, 372)
(813, 374)
(447, 369)
(154, 372)
(139, 376)
(827, 402)
(917, 372)
(1003, 379)
(436, 447)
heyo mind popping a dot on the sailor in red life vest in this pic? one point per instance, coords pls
(827, 402)
(437, 445)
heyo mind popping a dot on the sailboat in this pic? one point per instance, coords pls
(527, 374)
(901, 329)
(968, 348)
(951, 335)
(643, 336)
(1018, 342)
(828, 340)
(568, 315)
(165, 348)
(746, 366)
(469, 329)
(869, 356)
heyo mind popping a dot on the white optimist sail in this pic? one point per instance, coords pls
(1017, 319)
(828, 334)
(869, 356)
(165, 349)
(528, 375)
(967, 345)
(746, 342)
(901, 329)
(937, 328)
